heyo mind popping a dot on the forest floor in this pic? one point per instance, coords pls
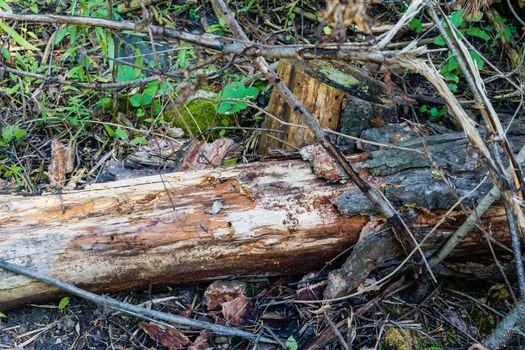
(107, 130)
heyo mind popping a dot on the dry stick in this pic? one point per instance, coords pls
(55, 80)
(486, 108)
(411, 12)
(129, 308)
(332, 51)
(505, 329)
(379, 201)
(492, 196)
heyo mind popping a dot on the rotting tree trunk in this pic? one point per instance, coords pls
(324, 88)
(276, 218)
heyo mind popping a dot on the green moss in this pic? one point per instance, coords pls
(199, 115)
(398, 339)
(339, 77)
(485, 322)
(426, 344)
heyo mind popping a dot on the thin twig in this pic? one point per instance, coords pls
(353, 51)
(129, 308)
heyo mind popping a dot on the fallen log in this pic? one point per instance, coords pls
(262, 218)
(267, 218)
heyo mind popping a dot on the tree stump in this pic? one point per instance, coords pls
(325, 89)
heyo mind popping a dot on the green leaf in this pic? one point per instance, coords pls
(453, 87)
(5, 54)
(140, 140)
(440, 41)
(291, 343)
(423, 108)
(12, 132)
(17, 37)
(119, 133)
(64, 302)
(436, 114)
(106, 103)
(109, 130)
(126, 73)
(135, 100)
(456, 18)
(5, 6)
(415, 25)
(478, 33)
(451, 77)
(235, 90)
(450, 66)
(138, 100)
(327, 30)
(477, 58)
(229, 162)
(151, 88)
(2, 315)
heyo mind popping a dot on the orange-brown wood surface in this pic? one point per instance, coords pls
(276, 218)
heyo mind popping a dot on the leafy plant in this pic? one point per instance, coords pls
(219, 29)
(11, 133)
(466, 25)
(291, 343)
(434, 113)
(415, 25)
(64, 302)
(228, 100)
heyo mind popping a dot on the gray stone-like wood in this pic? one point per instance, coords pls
(408, 178)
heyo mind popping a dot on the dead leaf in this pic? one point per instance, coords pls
(169, 337)
(201, 342)
(387, 79)
(237, 311)
(472, 7)
(323, 164)
(498, 291)
(311, 292)
(159, 152)
(377, 122)
(62, 162)
(201, 155)
(220, 292)
(344, 13)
